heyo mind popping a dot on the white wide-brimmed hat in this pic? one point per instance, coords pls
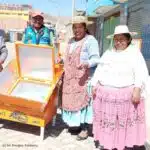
(81, 19)
(121, 29)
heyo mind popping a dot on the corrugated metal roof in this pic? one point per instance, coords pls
(121, 1)
(106, 10)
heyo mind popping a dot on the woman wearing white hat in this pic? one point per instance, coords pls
(118, 84)
(81, 59)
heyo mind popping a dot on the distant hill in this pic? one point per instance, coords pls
(61, 20)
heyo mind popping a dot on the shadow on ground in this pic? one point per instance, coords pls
(50, 130)
(53, 131)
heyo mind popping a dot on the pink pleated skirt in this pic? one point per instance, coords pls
(117, 122)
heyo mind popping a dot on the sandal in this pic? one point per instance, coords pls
(82, 135)
(74, 130)
(128, 148)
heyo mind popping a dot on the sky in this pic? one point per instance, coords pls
(53, 7)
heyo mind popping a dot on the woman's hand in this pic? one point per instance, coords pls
(1, 62)
(94, 89)
(84, 65)
(58, 60)
(136, 96)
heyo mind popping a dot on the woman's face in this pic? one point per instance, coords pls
(121, 42)
(37, 22)
(79, 31)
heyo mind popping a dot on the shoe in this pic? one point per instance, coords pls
(83, 135)
(97, 144)
(101, 147)
(129, 148)
(139, 147)
(74, 130)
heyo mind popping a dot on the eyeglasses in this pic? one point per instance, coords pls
(120, 40)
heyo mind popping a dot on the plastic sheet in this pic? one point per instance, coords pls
(36, 62)
(31, 91)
